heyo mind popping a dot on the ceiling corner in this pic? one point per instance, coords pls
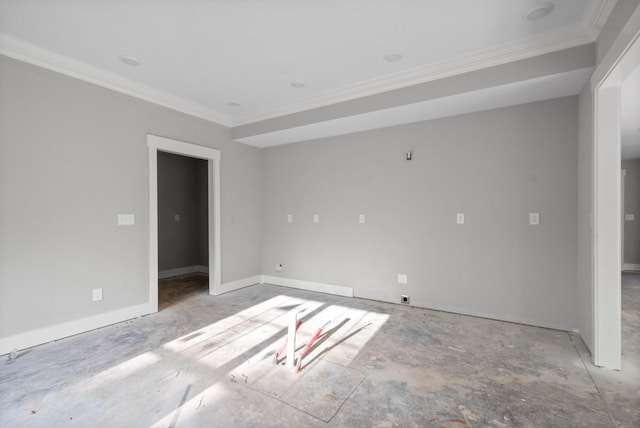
(595, 16)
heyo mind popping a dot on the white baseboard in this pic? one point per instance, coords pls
(182, 271)
(240, 283)
(71, 328)
(630, 266)
(320, 287)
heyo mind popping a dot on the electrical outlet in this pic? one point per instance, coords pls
(279, 267)
(629, 217)
(290, 218)
(126, 219)
(534, 219)
(460, 218)
(361, 218)
(316, 218)
(97, 294)
(176, 218)
(405, 299)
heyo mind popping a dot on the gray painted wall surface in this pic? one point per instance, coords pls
(632, 206)
(182, 190)
(495, 166)
(72, 157)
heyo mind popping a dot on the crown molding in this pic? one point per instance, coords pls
(595, 16)
(27, 52)
(586, 31)
(514, 51)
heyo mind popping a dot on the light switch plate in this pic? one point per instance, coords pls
(97, 294)
(290, 218)
(534, 219)
(460, 218)
(316, 218)
(126, 219)
(402, 278)
(176, 217)
(361, 218)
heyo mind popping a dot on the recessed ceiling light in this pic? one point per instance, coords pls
(129, 60)
(540, 11)
(233, 103)
(393, 56)
(297, 84)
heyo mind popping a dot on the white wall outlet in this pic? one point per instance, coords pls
(405, 299)
(629, 217)
(97, 294)
(176, 218)
(534, 219)
(402, 278)
(126, 219)
(460, 218)
(361, 218)
(316, 218)
(279, 267)
(289, 218)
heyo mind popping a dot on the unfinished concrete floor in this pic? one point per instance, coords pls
(207, 361)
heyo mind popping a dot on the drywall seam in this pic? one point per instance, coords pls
(183, 271)
(59, 331)
(240, 283)
(338, 290)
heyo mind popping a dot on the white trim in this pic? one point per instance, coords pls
(60, 331)
(623, 175)
(607, 232)
(240, 283)
(156, 143)
(595, 16)
(339, 290)
(516, 50)
(586, 31)
(631, 266)
(32, 54)
(620, 60)
(169, 273)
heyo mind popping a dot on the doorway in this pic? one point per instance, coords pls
(212, 156)
(623, 58)
(183, 264)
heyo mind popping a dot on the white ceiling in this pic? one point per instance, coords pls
(196, 56)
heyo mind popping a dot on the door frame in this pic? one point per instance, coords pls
(212, 156)
(621, 59)
(623, 178)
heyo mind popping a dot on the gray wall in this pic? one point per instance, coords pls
(182, 190)
(73, 156)
(494, 166)
(632, 206)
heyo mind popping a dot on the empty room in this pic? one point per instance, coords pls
(320, 213)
